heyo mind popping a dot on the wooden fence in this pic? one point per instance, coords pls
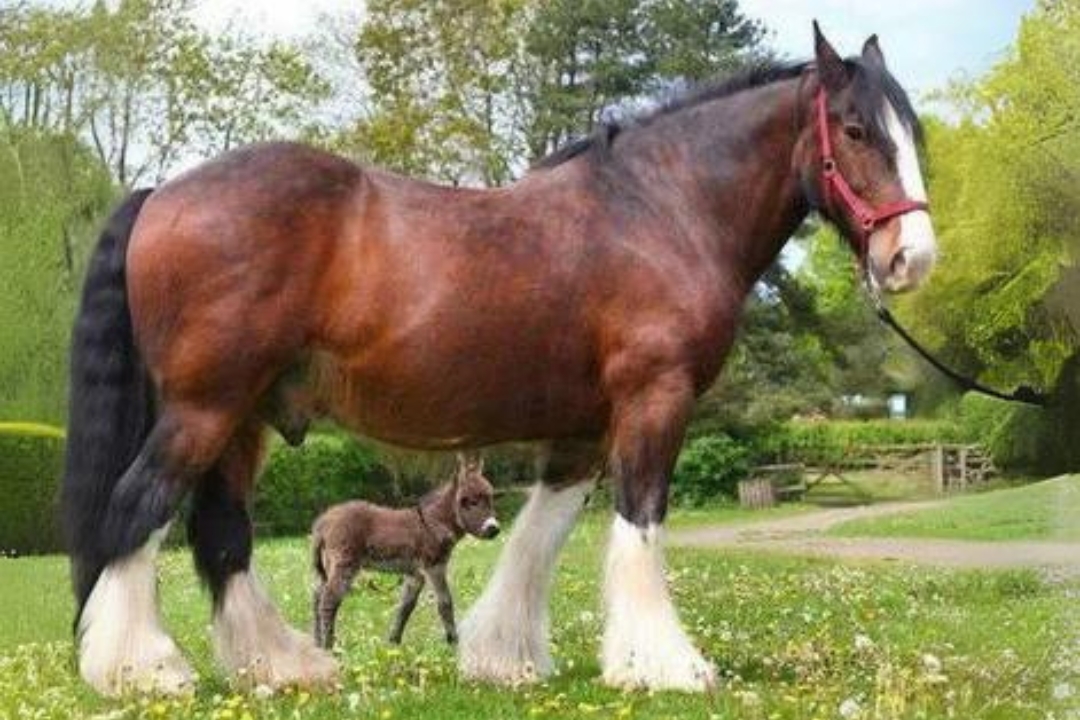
(950, 467)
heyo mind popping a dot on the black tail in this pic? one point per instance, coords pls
(111, 403)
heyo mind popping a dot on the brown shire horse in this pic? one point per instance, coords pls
(585, 306)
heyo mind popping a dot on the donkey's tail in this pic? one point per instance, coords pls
(110, 411)
(317, 545)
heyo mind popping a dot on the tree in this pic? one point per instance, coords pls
(1002, 304)
(144, 86)
(585, 57)
(49, 206)
(1004, 182)
(471, 92)
(439, 76)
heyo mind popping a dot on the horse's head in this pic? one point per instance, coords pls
(473, 498)
(858, 160)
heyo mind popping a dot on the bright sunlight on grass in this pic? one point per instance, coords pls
(793, 638)
(1047, 510)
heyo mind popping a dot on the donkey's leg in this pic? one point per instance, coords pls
(644, 644)
(122, 644)
(445, 601)
(250, 637)
(410, 593)
(339, 579)
(504, 635)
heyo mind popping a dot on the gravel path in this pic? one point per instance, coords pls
(802, 534)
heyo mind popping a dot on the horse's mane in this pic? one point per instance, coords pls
(869, 84)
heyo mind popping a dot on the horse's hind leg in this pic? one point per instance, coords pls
(644, 644)
(122, 644)
(250, 637)
(504, 635)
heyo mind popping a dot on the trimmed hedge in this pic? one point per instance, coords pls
(297, 484)
(817, 443)
(31, 462)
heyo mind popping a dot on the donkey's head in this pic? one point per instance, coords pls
(473, 506)
(860, 164)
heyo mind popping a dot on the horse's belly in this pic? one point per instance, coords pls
(461, 404)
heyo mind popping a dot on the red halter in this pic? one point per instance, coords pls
(835, 187)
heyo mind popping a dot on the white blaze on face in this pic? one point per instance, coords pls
(917, 240)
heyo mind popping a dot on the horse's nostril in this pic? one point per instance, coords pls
(899, 263)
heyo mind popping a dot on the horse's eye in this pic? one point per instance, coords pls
(854, 132)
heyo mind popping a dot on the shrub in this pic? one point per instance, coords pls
(709, 468)
(299, 483)
(1018, 437)
(823, 443)
(31, 461)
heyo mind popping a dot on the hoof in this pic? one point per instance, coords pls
(644, 644)
(502, 656)
(649, 671)
(123, 648)
(156, 668)
(293, 661)
(260, 649)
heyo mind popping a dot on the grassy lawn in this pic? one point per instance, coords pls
(860, 487)
(733, 514)
(1047, 510)
(793, 638)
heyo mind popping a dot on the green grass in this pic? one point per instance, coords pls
(732, 514)
(793, 638)
(860, 487)
(1047, 510)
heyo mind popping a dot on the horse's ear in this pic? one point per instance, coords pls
(871, 53)
(830, 66)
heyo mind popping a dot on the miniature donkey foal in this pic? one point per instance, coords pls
(415, 542)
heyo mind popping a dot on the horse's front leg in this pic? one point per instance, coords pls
(644, 644)
(504, 635)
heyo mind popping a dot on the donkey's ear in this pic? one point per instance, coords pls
(470, 461)
(830, 66)
(871, 53)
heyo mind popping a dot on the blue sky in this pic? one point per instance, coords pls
(926, 42)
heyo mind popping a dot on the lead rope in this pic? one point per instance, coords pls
(1023, 394)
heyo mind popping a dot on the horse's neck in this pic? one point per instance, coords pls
(727, 165)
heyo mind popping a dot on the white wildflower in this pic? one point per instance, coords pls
(863, 642)
(931, 663)
(850, 709)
